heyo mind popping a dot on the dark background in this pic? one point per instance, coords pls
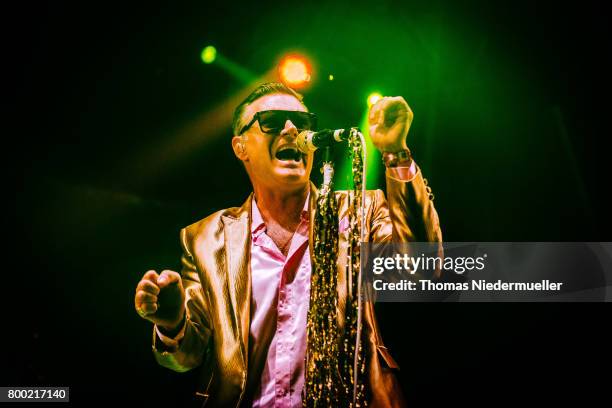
(511, 122)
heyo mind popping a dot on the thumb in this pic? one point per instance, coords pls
(375, 112)
(167, 278)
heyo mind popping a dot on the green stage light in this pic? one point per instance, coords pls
(344, 177)
(209, 54)
(331, 77)
(373, 98)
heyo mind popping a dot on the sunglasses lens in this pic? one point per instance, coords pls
(302, 120)
(274, 121)
(271, 121)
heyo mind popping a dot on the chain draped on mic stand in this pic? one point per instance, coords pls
(335, 359)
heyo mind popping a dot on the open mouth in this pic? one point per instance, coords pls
(287, 153)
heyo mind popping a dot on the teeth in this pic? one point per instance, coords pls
(288, 153)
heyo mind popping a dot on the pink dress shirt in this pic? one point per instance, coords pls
(279, 306)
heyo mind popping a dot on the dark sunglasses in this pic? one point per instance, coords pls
(273, 121)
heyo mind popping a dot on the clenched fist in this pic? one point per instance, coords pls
(160, 299)
(389, 121)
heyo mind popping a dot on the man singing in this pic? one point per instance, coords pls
(239, 306)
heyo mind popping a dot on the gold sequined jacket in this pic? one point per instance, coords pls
(217, 280)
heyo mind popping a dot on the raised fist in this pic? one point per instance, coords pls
(160, 299)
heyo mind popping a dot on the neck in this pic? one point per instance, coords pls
(281, 207)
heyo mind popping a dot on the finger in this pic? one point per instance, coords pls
(167, 278)
(148, 286)
(397, 99)
(379, 111)
(147, 309)
(376, 107)
(395, 109)
(151, 276)
(398, 103)
(375, 110)
(383, 107)
(392, 103)
(142, 297)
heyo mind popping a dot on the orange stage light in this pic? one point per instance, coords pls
(294, 71)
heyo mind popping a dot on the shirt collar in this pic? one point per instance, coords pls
(257, 221)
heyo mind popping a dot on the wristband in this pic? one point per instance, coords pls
(403, 158)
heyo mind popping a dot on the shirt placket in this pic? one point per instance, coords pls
(285, 321)
(283, 355)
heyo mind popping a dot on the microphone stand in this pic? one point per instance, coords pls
(358, 145)
(334, 375)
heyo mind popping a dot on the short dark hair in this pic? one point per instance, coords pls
(262, 90)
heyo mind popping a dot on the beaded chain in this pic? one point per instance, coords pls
(330, 359)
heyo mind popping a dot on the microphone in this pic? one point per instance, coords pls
(309, 141)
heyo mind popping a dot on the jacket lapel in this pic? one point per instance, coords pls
(237, 235)
(237, 250)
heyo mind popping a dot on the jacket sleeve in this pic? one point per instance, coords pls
(408, 214)
(187, 351)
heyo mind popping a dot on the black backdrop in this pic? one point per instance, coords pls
(90, 87)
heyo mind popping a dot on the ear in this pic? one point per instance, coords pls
(239, 148)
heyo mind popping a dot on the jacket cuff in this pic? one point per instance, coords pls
(403, 173)
(168, 343)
